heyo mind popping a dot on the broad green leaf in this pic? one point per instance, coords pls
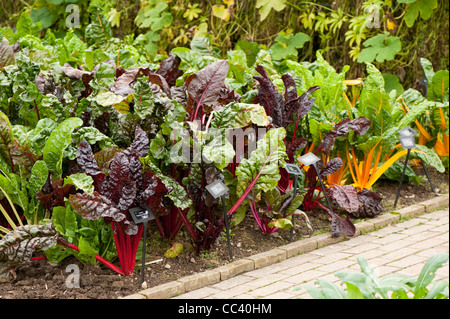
(266, 160)
(221, 12)
(58, 141)
(439, 88)
(427, 69)
(108, 98)
(287, 46)
(438, 289)
(330, 290)
(87, 249)
(423, 7)
(265, 6)
(176, 193)
(427, 274)
(80, 181)
(380, 48)
(240, 115)
(353, 292)
(39, 175)
(219, 151)
(392, 82)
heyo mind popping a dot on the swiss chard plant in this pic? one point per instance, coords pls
(125, 186)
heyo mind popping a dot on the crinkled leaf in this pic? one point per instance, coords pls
(429, 156)
(94, 206)
(345, 196)
(124, 83)
(128, 194)
(58, 141)
(18, 245)
(38, 177)
(175, 191)
(265, 161)
(140, 145)
(168, 68)
(369, 204)
(6, 53)
(86, 159)
(331, 166)
(144, 101)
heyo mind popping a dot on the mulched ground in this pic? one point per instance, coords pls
(42, 280)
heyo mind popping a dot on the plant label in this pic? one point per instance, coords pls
(308, 159)
(141, 215)
(408, 142)
(217, 189)
(293, 169)
(407, 131)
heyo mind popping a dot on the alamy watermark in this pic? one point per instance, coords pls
(73, 279)
(373, 18)
(73, 19)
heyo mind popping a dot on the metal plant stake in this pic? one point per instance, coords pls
(311, 159)
(293, 170)
(218, 189)
(142, 215)
(408, 141)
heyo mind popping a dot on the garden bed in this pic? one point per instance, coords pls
(43, 280)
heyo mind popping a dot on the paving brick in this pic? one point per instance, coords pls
(164, 291)
(326, 239)
(404, 247)
(235, 268)
(305, 276)
(267, 280)
(232, 292)
(436, 202)
(411, 211)
(427, 244)
(363, 227)
(361, 248)
(397, 245)
(295, 270)
(332, 257)
(280, 295)
(198, 294)
(399, 253)
(232, 282)
(408, 261)
(268, 257)
(385, 220)
(299, 247)
(339, 265)
(200, 280)
(269, 289)
(390, 238)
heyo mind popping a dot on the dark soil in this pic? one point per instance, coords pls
(40, 279)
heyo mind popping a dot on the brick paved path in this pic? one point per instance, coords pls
(400, 248)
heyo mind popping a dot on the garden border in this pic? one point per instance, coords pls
(209, 277)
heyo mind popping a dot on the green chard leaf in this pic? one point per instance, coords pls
(58, 141)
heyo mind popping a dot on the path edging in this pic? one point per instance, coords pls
(212, 276)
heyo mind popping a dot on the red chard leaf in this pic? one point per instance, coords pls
(204, 87)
